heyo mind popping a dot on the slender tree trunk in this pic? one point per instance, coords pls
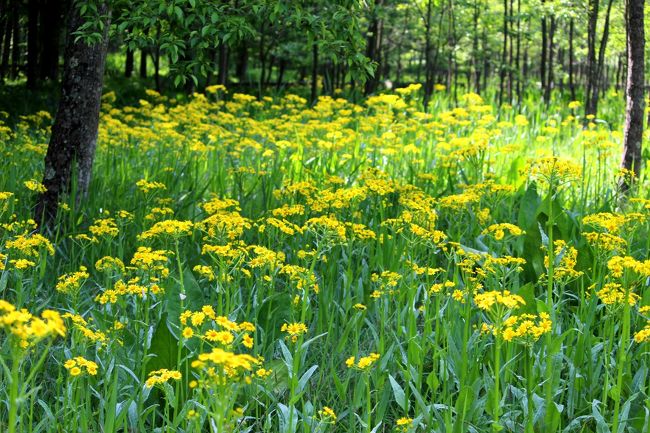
(6, 46)
(504, 53)
(129, 64)
(143, 63)
(51, 23)
(428, 66)
(633, 130)
(74, 133)
(314, 72)
(242, 63)
(373, 47)
(475, 54)
(572, 87)
(601, 54)
(33, 9)
(518, 55)
(542, 65)
(15, 44)
(282, 68)
(511, 62)
(549, 80)
(223, 64)
(591, 104)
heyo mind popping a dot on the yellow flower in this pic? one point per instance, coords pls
(294, 330)
(34, 185)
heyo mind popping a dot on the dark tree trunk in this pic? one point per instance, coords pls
(282, 68)
(129, 64)
(601, 54)
(476, 63)
(591, 104)
(504, 53)
(373, 47)
(6, 46)
(15, 47)
(143, 63)
(542, 65)
(222, 78)
(50, 35)
(518, 55)
(549, 80)
(314, 72)
(242, 63)
(33, 9)
(572, 87)
(633, 130)
(428, 61)
(74, 133)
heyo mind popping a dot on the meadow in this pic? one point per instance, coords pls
(245, 265)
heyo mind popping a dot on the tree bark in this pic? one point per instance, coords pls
(633, 130)
(32, 43)
(572, 87)
(373, 47)
(71, 151)
(129, 64)
(222, 78)
(143, 63)
(314, 73)
(50, 35)
(591, 105)
(15, 47)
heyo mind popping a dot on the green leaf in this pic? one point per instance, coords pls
(398, 392)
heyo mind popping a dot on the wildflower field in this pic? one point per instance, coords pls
(245, 265)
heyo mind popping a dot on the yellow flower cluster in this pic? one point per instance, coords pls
(499, 230)
(404, 424)
(618, 264)
(643, 335)
(171, 228)
(486, 300)
(554, 170)
(613, 294)
(294, 330)
(364, 362)
(27, 328)
(72, 282)
(104, 227)
(327, 415)
(526, 328)
(146, 186)
(80, 324)
(77, 365)
(158, 377)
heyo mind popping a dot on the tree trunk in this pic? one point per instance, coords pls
(129, 64)
(428, 63)
(633, 130)
(542, 65)
(601, 54)
(549, 80)
(50, 35)
(314, 73)
(222, 78)
(32, 43)
(143, 63)
(504, 53)
(572, 87)
(15, 47)
(591, 105)
(74, 133)
(373, 47)
(6, 46)
(242, 63)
